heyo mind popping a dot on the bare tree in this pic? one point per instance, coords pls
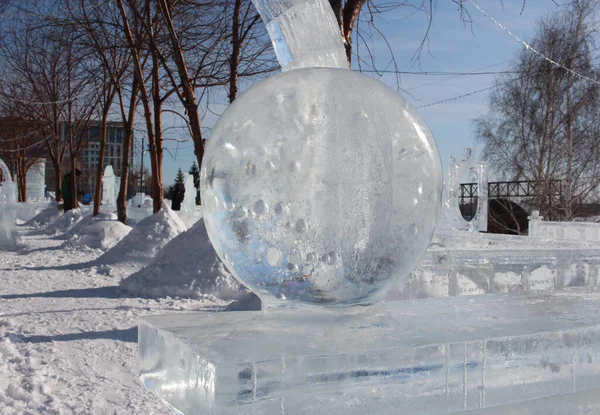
(543, 123)
(101, 34)
(44, 58)
(136, 15)
(21, 144)
(210, 45)
(128, 118)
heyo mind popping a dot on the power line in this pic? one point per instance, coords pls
(37, 143)
(476, 91)
(457, 76)
(459, 96)
(442, 73)
(527, 47)
(57, 102)
(531, 48)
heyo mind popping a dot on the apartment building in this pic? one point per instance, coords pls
(90, 156)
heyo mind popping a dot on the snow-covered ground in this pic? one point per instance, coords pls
(68, 333)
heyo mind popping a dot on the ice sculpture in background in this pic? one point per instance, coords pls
(117, 188)
(36, 181)
(189, 200)
(9, 191)
(8, 206)
(573, 231)
(109, 187)
(465, 171)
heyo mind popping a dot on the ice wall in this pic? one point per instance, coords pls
(304, 33)
(8, 205)
(36, 180)
(573, 231)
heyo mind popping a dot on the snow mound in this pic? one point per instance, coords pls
(100, 234)
(30, 210)
(45, 218)
(188, 266)
(66, 222)
(144, 242)
(88, 220)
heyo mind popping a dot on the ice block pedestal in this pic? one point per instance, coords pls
(431, 356)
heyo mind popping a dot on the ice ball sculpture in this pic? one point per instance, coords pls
(320, 186)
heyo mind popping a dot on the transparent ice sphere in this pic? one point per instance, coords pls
(320, 186)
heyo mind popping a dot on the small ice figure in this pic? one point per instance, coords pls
(339, 180)
(8, 206)
(109, 186)
(189, 198)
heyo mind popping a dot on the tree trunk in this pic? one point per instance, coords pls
(127, 149)
(189, 102)
(156, 149)
(22, 180)
(350, 14)
(569, 172)
(122, 197)
(58, 172)
(100, 168)
(138, 73)
(75, 203)
(235, 52)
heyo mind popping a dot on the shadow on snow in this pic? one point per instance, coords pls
(124, 335)
(100, 292)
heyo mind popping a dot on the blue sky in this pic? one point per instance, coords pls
(453, 47)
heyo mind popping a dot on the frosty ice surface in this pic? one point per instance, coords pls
(336, 192)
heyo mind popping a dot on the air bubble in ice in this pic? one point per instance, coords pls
(300, 225)
(279, 207)
(295, 166)
(413, 230)
(274, 257)
(210, 203)
(261, 207)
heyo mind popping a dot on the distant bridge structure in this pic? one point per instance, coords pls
(521, 189)
(505, 190)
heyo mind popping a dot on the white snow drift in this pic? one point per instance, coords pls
(100, 234)
(45, 218)
(143, 243)
(188, 266)
(66, 222)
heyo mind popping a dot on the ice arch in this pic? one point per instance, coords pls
(452, 217)
(9, 187)
(304, 33)
(5, 171)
